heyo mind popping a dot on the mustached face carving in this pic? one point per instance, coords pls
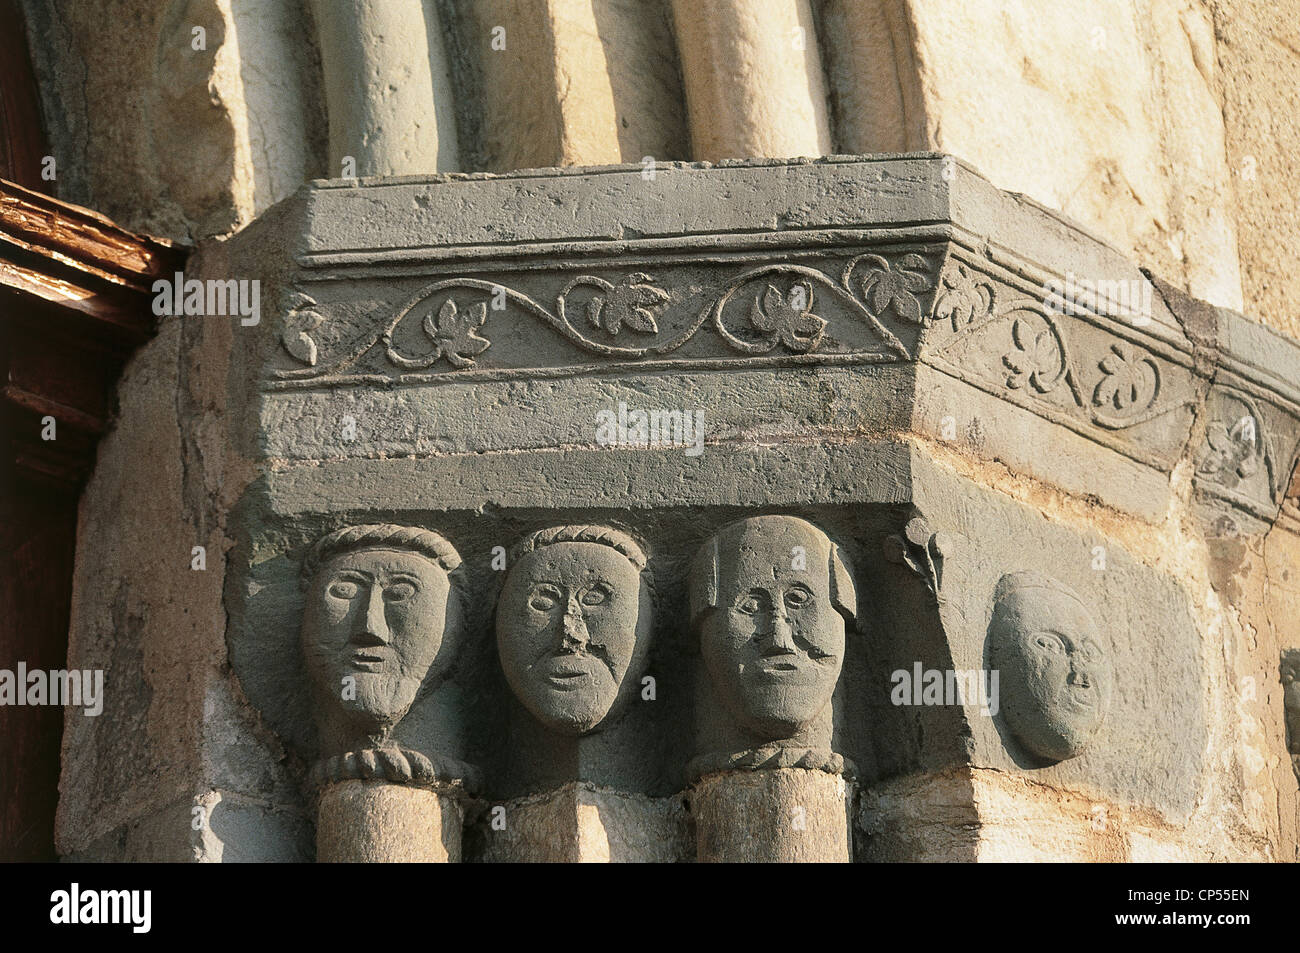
(374, 622)
(770, 596)
(573, 626)
(1055, 671)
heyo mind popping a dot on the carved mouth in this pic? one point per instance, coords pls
(569, 673)
(567, 679)
(368, 661)
(778, 668)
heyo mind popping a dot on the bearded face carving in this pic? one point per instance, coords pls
(373, 626)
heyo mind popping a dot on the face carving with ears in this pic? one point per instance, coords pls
(771, 595)
(573, 627)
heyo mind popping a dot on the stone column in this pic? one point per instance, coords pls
(782, 815)
(753, 78)
(387, 88)
(580, 823)
(570, 82)
(378, 822)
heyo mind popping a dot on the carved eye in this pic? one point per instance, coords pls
(343, 589)
(595, 596)
(399, 592)
(797, 597)
(544, 599)
(748, 605)
(1048, 643)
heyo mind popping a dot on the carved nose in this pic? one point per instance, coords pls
(573, 628)
(372, 625)
(1080, 678)
(780, 636)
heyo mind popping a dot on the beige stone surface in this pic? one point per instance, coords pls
(1106, 110)
(1258, 52)
(872, 77)
(174, 727)
(387, 87)
(778, 815)
(581, 823)
(579, 82)
(174, 132)
(919, 819)
(375, 822)
(753, 79)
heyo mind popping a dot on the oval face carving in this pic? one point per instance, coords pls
(372, 626)
(573, 626)
(770, 601)
(1054, 664)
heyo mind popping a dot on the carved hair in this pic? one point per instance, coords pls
(704, 597)
(1014, 582)
(621, 542)
(380, 536)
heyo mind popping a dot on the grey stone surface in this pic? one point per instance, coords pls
(464, 313)
(573, 625)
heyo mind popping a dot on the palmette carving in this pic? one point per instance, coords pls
(1054, 666)
(771, 597)
(573, 625)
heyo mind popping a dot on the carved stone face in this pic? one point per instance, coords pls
(773, 640)
(572, 628)
(372, 626)
(1055, 672)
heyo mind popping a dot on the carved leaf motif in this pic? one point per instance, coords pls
(453, 331)
(896, 286)
(633, 300)
(301, 319)
(965, 298)
(1234, 451)
(1129, 381)
(1035, 360)
(788, 317)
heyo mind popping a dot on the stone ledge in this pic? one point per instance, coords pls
(499, 313)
